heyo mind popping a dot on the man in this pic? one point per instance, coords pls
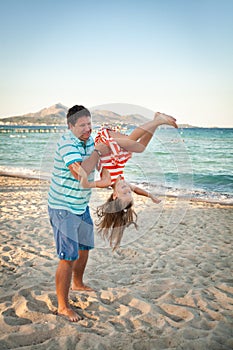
(68, 205)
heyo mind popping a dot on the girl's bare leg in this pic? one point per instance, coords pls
(141, 136)
(159, 119)
(151, 126)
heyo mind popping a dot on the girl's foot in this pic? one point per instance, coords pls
(162, 118)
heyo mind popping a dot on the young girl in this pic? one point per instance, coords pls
(117, 213)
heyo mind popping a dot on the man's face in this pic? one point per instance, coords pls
(82, 128)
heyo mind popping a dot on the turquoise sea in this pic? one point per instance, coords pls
(191, 162)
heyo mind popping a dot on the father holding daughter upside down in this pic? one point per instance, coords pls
(117, 213)
(72, 179)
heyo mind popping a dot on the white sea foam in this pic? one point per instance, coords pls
(189, 194)
(24, 172)
(159, 190)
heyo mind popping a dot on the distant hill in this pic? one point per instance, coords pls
(56, 115)
(101, 116)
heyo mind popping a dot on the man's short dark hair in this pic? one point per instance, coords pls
(76, 112)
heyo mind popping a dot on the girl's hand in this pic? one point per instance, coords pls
(79, 170)
(84, 182)
(154, 199)
(82, 173)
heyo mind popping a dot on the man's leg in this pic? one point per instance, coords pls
(78, 271)
(63, 280)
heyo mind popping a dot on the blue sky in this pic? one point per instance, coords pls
(173, 56)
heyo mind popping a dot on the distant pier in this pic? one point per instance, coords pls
(32, 128)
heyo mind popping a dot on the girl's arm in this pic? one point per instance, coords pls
(105, 180)
(144, 193)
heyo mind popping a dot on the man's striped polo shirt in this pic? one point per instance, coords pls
(65, 191)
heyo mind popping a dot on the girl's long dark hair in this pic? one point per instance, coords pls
(113, 218)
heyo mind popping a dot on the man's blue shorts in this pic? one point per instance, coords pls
(72, 232)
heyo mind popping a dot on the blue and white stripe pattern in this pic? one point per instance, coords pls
(65, 191)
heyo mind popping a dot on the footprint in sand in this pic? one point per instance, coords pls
(10, 318)
(176, 314)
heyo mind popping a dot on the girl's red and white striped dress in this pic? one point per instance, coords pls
(114, 161)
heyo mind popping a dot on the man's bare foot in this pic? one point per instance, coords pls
(81, 288)
(162, 118)
(68, 313)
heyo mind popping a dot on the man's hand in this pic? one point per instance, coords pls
(104, 149)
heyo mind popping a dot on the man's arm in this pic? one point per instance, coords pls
(89, 164)
(105, 180)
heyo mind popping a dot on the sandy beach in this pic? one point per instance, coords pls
(170, 286)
